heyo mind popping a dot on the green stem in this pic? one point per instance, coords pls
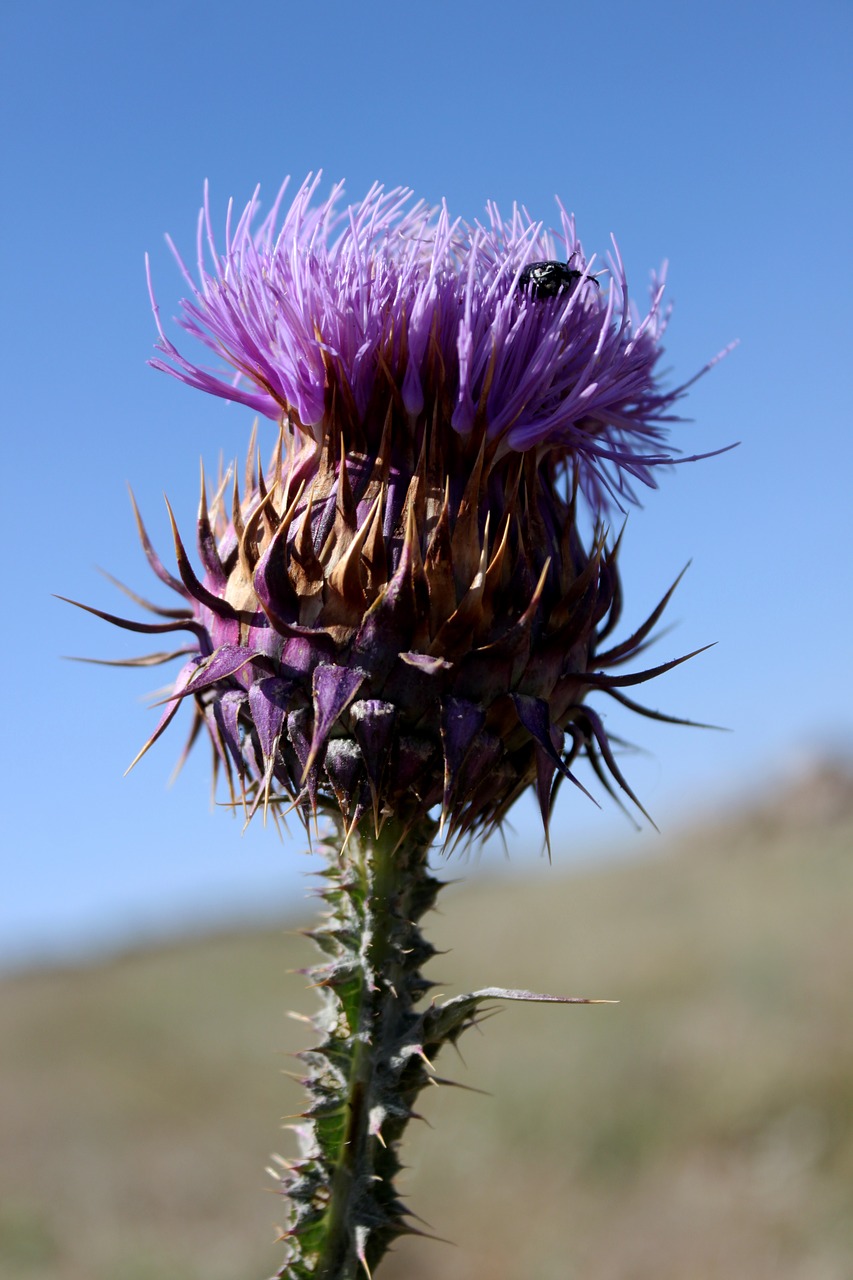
(376, 1051)
(365, 1075)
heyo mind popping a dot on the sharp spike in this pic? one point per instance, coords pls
(206, 541)
(236, 508)
(333, 690)
(146, 660)
(438, 567)
(628, 647)
(217, 605)
(141, 600)
(373, 555)
(250, 457)
(151, 555)
(465, 539)
(183, 679)
(145, 628)
(346, 577)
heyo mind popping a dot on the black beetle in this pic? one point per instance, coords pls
(547, 279)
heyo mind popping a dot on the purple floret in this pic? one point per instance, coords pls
(341, 298)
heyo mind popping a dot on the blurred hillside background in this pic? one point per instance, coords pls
(700, 1129)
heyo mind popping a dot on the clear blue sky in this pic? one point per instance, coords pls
(715, 136)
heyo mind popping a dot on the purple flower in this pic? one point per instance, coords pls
(401, 614)
(322, 315)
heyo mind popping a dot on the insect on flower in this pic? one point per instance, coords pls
(547, 279)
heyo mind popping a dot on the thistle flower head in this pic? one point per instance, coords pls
(400, 613)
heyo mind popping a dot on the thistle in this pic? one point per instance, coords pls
(399, 623)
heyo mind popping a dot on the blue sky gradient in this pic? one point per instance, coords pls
(717, 138)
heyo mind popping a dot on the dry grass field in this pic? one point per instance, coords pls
(702, 1129)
